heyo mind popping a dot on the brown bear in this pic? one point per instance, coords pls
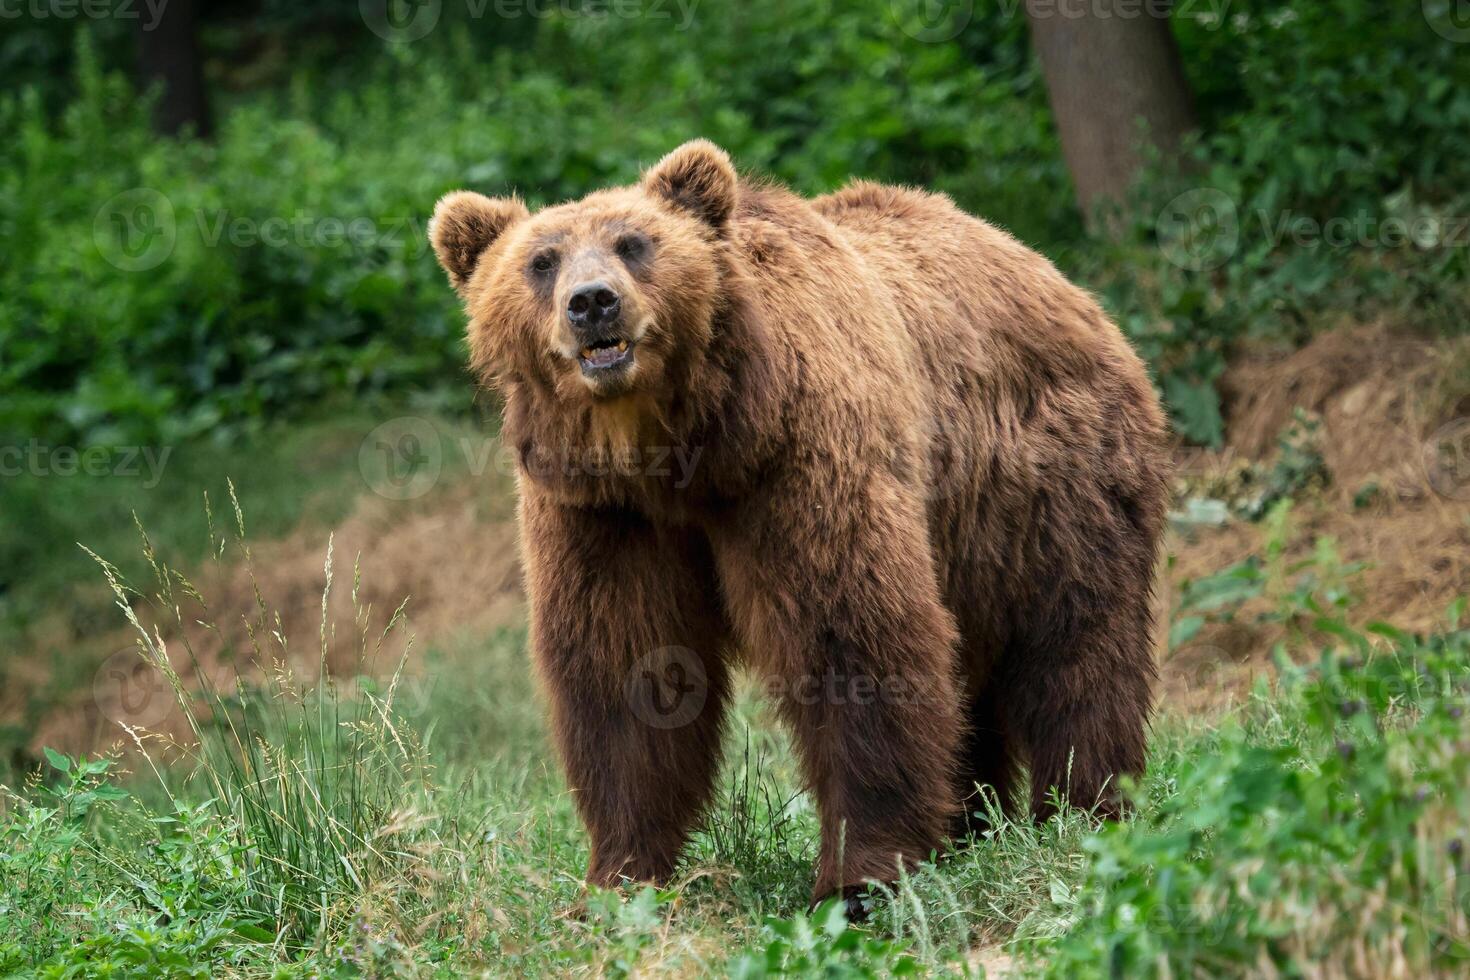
(867, 445)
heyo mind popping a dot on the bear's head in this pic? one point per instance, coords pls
(598, 299)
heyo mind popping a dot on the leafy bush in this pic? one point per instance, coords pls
(285, 263)
(1329, 177)
(1324, 834)
(823, 945)
(173, 287)
(182, 914)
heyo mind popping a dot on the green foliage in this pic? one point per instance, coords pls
(823, 945)
(761, 831)
(284, 263)
(1216, 596)
(172, 287)
(1335, 846)
(40, 854)
(1329, 177)
(171, 902)
(1322, 825)
(624, 930)
(1302, 593)
(175, 287)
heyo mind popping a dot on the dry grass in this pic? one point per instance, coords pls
(1379, 395)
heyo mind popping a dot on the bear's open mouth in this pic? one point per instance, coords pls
(604, 355)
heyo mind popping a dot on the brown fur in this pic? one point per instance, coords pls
(929, 469)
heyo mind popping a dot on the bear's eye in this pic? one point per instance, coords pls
(543, 263)
(631, 246)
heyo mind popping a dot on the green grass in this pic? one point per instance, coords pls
(378, 823)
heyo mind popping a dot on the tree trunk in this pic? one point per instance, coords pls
(168, 53)
(1115, 81)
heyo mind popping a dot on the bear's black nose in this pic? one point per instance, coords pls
(593, 305)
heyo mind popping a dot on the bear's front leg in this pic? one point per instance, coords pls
(831, 582)
(628, 637)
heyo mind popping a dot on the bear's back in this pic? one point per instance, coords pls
(976, 300)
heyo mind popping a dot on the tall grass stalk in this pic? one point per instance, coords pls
(318, 782)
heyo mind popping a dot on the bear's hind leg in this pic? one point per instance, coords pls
(1078, 697)
(988, 765)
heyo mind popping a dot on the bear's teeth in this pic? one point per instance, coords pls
(589, 353)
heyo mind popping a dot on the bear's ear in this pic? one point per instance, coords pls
(697, 177)
(464, 225)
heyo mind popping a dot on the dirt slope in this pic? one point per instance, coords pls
(1394, 436)
(452, 555)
